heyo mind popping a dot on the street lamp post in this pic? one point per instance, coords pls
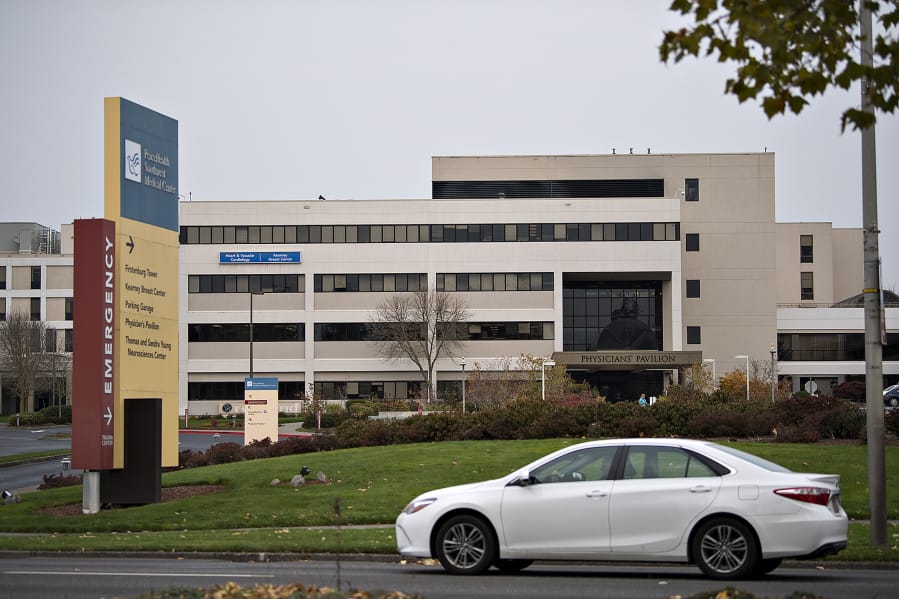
(252, 293)
(543, 364)
(773, 352)
(747, 373)
(463, 384)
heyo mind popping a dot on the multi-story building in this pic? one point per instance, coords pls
(36, 280)
(623, 267)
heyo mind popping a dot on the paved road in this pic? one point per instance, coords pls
(79, 577)
(24, 477)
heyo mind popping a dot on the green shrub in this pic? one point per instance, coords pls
(57, 414)
(224, 453)
(891, 421)
(53, 481)
(26, 419)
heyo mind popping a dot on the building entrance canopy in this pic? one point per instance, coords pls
(627, 360)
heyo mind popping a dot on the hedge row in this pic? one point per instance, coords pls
(796, 420)
(48, 415)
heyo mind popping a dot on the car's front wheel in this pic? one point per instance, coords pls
(725, 549)
(893, 401)
(465, 545)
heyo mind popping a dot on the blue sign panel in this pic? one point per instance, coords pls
(259, 257)
(149, 149)
(260, 384)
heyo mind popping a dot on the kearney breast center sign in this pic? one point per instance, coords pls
(259, 257)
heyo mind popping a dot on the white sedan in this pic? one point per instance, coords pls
(731, 513)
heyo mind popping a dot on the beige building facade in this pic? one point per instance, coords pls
(623, 267)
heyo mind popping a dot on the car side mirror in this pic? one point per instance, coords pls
(523, 480)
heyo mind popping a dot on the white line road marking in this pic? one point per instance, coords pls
(81, 573)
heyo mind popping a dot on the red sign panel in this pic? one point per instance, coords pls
(93, 345)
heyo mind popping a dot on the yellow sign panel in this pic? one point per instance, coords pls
(141, 197)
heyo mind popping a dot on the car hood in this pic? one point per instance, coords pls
(463, 489)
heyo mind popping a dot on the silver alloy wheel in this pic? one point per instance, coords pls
(465, 546)
(724, 548)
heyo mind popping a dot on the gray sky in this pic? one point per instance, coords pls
(350, 99)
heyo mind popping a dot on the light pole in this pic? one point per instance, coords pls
(543, 364)
(773, 352)
(463, 384)
(252, 293)
(747, 373)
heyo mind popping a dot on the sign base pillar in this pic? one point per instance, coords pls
(90, 499)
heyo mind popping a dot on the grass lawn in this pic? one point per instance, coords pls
(373, 484)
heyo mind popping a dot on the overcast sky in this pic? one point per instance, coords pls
(350, 99)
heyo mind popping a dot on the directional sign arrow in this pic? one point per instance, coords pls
(108, 415)
(130, 244)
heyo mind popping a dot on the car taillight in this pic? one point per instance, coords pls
(815, 495)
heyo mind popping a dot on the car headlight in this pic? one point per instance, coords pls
(417, 505)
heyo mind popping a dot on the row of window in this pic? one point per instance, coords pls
(831, 347)
(35, 277)
(34, 309)
(280, 283)
(352, 283)
(352, 331)
(266, 234)
(234, 391)
(238, 332)
(228, 391)
(495, 281)
(364, 331)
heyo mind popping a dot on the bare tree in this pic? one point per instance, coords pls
(21, 353)
(421, 326)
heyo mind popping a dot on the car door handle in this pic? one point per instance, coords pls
(597, 494)
(701, 489)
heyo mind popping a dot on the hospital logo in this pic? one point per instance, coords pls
(132, 161)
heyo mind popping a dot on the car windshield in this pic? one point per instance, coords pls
(752, 459)
(890, 388)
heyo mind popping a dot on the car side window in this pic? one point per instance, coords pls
(663, 462)
(591, 464)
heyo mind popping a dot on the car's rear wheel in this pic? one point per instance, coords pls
(511, 566)
(725, 549)
(465, 545)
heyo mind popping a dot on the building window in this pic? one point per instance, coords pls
(68, 341)
(692, 242)
(437, 233)
(807, 286)
(344, 331)
(691, 190)
(35, 277)
(70, 305)
(239, 332)
(363, 283)
(275, 283)
(692, 287)
(50, 340)
(35, 308)
(2, 277)
(806, 249)
(479, 281)
(694, 335)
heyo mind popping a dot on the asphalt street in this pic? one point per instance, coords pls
(84, 577)
(24, 477)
